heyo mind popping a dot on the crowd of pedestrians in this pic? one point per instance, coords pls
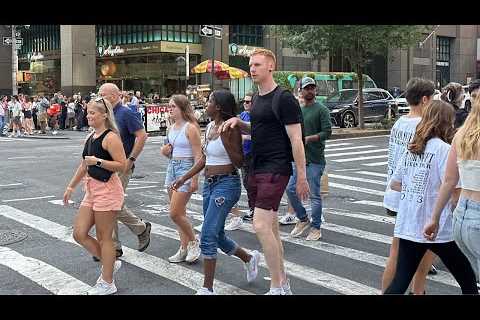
(276, 147)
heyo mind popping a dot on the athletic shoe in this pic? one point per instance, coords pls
(144, 238)
(180, 256)
(275, 292)
(288, 219)
(102, 288)
(248, 216)
(235, 224)
(205, 292)
(118, 254)
(286, 288)
(300, 227)
(116, 266)
(193, 251)
(251, 267)
(433, 271)
(314, 235)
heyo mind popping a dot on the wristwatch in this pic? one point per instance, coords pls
(132, 158)
(99, 163)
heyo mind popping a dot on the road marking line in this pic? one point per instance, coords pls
(354, 188)
(60, 202)
(174, 272)
(11, 184)
(336, 176)
(350, 148)
(146, 187)
(370, 173)
(337, 145)
(27, 157)
(374, 164)
(45, 275)
(360, 215)
(140, 181)
(361, 158)
(369, 203)
(354, 153)
(354, 254)
(25, 199)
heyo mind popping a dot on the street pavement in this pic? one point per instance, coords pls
(349, 259)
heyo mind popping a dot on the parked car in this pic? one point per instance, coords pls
(404, 108)
(343, 106)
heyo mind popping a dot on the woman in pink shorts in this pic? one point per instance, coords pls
(103, 157)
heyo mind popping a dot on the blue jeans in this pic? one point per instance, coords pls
(466, 231)
(2, 123)
(218, 199)
(314, 174)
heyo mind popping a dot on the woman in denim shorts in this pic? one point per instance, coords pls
(222, 156)
(182, 147)
(463, 164)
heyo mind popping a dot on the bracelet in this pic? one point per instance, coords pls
(70, 189)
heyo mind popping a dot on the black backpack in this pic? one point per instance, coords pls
(275, 107)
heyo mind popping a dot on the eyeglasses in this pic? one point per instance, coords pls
(103, 100)
(247, 101)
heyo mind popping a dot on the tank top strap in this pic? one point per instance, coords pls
(102, 136)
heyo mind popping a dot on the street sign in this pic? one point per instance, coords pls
(210, 31)
(8, 41)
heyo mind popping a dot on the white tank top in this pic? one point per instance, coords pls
(469, 171)
(215, 151)
(181, 146)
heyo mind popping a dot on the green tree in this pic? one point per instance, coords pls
(359, 43)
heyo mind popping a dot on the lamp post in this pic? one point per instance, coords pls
(15, 57)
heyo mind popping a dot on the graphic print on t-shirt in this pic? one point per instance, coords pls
(418, 183)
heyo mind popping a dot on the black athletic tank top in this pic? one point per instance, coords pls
(93, 147)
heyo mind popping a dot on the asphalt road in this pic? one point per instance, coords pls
(349, 259)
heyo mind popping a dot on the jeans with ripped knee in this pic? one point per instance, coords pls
(218, 199)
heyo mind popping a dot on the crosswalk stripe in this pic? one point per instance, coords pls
(336, 176)
(370, 173)
(45, 275)
(177, 273)
(361, 215)
(314, 276)
(361, 158)
(144, 187)
(11, 184)
(370, 203)
(375, 164)
(328, 155)
(25, 199)
(354, 188)
(337, 144)
(349, 148)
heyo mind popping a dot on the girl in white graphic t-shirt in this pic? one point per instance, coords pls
(418, 177)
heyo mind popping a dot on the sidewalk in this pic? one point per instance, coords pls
(60, 135)
(357, 133)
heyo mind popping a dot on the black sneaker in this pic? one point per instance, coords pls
(119, 253)
(433, 271)
(248, 217)
(144, 238)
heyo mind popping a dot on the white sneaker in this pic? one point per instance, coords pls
(116, 266)
(235, 224)
(199, 227)
(275, 292)
(180, 256)
(288, 219)
(205, 292)
(193, 251)
(300, 228)
(252, 266)
(102, 288)
(286, 288)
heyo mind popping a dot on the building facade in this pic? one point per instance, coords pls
(153, 58)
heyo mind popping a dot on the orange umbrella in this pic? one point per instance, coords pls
(206, 66)
(232, 73)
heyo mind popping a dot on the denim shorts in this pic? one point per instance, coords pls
(177, 168)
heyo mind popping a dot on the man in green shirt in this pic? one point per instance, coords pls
(318, 128)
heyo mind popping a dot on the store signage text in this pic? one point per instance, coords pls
(35, 56)
(110, 51)
(245, 51)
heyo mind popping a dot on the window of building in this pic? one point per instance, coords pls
(443, 49)
(251, 35)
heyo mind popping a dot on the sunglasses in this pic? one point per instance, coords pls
(103, 101)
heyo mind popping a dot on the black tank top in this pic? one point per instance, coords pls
(93, 147)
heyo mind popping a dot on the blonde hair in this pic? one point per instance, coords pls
(266, 53)
(105, 107)
(468, 136)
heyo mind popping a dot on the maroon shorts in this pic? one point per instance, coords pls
(265, 190)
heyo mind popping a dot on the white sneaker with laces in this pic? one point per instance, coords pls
(286, 288)
(252, 266)
(180, 256)
(116, 266)
(275, 292)
(288, 219)
(193, 251)
(102, 288)
(205, 292)
(235, 224)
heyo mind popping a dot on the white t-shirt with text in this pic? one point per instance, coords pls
(421, 177)
(400, 136)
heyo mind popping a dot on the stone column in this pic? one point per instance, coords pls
(78, 56)
(5, 63)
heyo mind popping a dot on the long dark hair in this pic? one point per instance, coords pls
(437, 122)
(226, 101)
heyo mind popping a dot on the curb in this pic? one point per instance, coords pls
(347, 135)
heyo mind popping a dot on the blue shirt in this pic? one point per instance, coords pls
(247, 144)
(128, 123)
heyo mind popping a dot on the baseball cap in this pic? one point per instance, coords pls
(307, 81)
